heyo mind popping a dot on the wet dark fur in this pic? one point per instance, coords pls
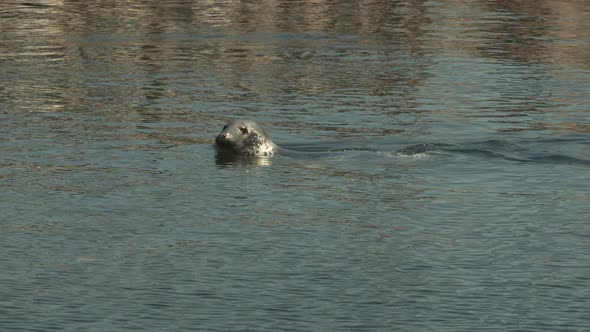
(244, 138)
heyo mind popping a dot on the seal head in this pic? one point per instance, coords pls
(244, 138)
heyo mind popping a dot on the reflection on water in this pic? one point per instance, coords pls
(462, 206)
(223, 158)
(69, 57)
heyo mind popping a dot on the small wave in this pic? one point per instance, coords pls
(559, 159)
(423, 148)
(493, 149)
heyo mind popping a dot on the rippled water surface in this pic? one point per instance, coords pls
(461, 201)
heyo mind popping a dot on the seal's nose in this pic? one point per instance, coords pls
(222, 138)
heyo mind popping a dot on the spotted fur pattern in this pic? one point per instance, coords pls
(245, 138)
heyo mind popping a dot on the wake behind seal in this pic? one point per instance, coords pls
(244, 141)
(244, 138)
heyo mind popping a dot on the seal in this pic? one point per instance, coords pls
(244, 138)
(244, 142)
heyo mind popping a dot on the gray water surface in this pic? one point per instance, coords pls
(470, 215)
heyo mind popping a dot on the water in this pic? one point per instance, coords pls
(472, 215)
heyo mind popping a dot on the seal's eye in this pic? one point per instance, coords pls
(244, 130)
(224, 127)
